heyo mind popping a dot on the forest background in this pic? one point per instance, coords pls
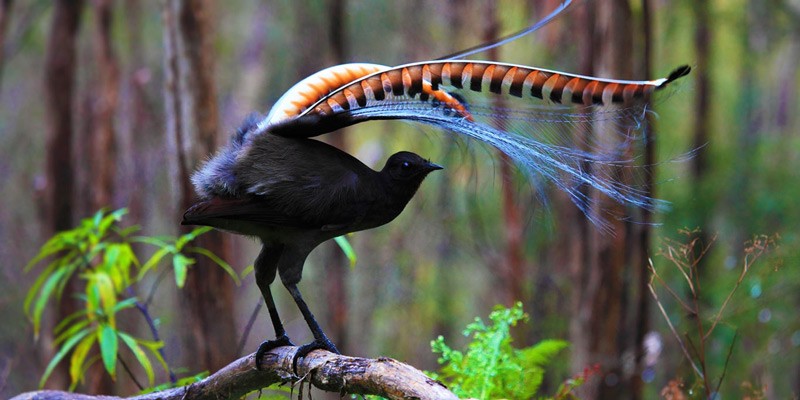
(84, 125)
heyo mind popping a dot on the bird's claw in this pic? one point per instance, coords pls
(323, 344)
(268, 345)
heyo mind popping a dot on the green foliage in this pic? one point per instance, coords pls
(98, 253)
(348, 250)
(491, 367)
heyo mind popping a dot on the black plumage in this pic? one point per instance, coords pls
(293, 194)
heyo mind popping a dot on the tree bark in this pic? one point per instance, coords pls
(604, 330)
(5, 18)
(59, 90)
(102, 160)
(513, 268)
(327, 371)
(192, 119)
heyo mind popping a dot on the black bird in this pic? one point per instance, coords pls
(293, 194)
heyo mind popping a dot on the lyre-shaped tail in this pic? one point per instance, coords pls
(430, 81)
(555, 141)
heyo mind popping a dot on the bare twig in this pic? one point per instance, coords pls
(727, 360)
(757, 248)
(327, 371)
(674, 332)
(669, 289)
(248, 327)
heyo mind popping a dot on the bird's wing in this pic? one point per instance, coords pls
(300, 183)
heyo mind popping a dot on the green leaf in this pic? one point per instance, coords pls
(181, 241)
(543, 352)
(125, 232)
(68, 320)
(140, 355)
(63, 336)
(44, 296)
(124, 304)
(105, 288)
(248, 270)
(107, 336)
(181, 264)
(54, 245)
(151, 240)
(34, 290)
(68, 345)
(78, 358)
(153, 261)
(348, 250)
(86, 365)
(154, 347)
(217, 261)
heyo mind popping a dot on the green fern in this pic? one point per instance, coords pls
(491, 367)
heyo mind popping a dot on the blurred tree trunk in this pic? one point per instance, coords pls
(335, 261)
(59, 89)
(457, 14)
(192, 119)
(604, 330)
(641, 277)
(512, 268)
(136, 126)
(103, 108)
(702, 121)
(5, 18)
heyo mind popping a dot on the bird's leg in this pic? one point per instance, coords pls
(265, 269)
(321, 341)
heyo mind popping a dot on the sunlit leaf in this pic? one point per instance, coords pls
(153, 261)
(105, 288)
(348, 250)
(44, 297)
(154, 347)
(107, 336)
(217, 261)
(125, 232)
(181, 241)
(68, 320)
(71, 331)
(78, 358)
(37, 284)
(140, 355)
(181, 265)
(68, 345)
(127, 303)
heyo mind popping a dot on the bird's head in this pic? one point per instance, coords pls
(405, 171)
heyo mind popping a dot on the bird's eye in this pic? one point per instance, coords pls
(406, 165)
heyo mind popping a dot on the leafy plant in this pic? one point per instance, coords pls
(99, 254)
(491, 367)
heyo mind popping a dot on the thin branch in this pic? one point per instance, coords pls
(727, 360)
(674, 332)
(327, 371)
(151, 323)
(130, 373)
(669, 289)
(248, 327)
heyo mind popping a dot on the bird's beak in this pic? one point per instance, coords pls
(434, 166)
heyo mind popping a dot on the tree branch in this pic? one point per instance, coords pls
(327, 371)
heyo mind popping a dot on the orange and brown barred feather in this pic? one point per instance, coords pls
(424, 80)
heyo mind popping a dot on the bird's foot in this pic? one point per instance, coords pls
(269, 345)
(324, 344)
